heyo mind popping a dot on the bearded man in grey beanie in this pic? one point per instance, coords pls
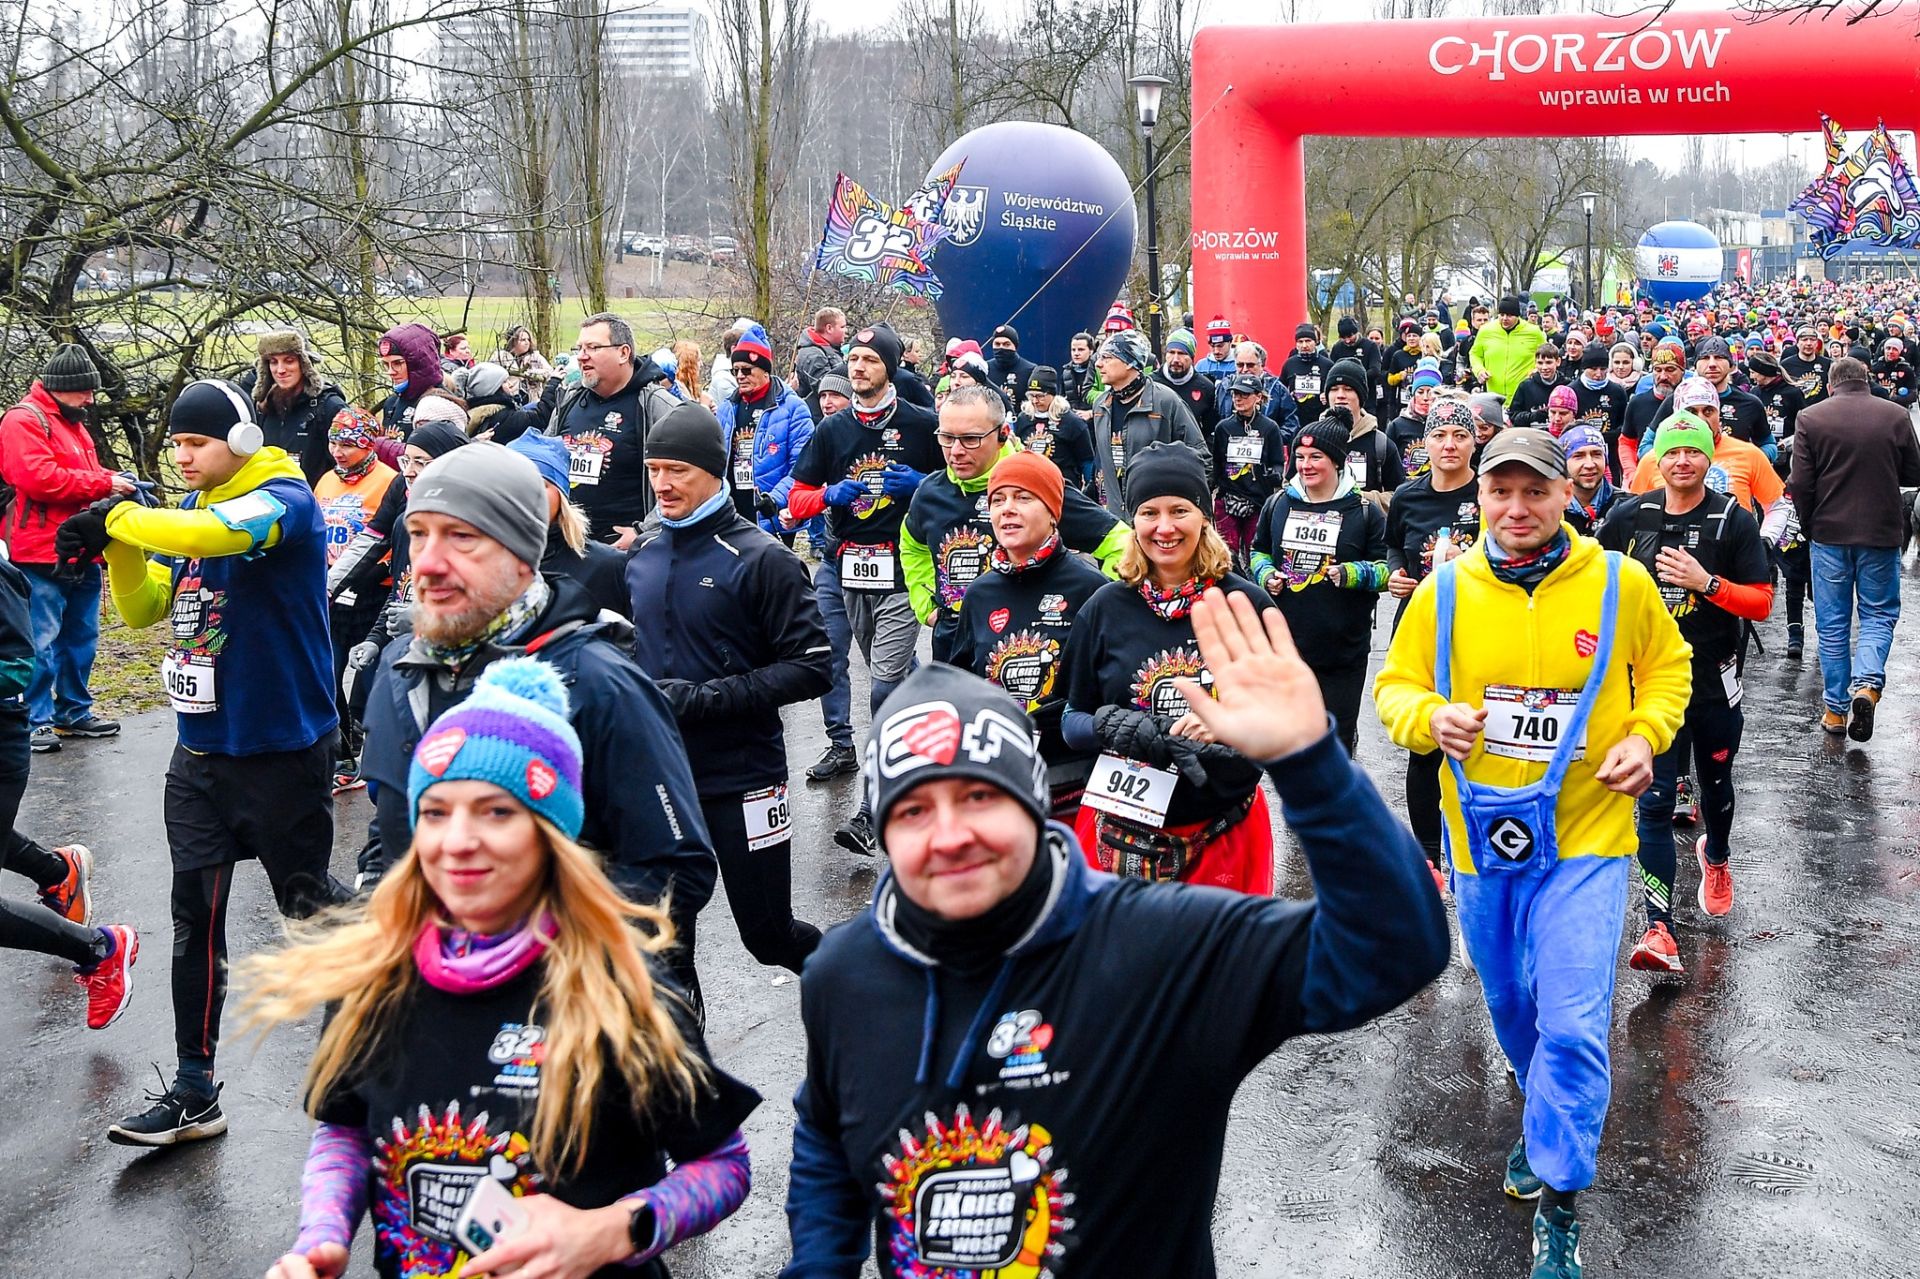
(476, 527)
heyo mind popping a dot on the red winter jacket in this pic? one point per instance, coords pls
(54, 473)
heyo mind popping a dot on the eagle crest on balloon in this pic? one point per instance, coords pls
(1866, 196)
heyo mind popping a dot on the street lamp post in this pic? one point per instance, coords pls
(1146, 101)
(1586, 203)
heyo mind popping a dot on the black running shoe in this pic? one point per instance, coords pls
(174, 1117)
(838, 761)
(857, 836)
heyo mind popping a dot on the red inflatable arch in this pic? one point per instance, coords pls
(1690, 72)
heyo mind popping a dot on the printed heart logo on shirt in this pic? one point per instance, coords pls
(935, 737)
(438, 751)
(998, 619)
(1585, 643)
(541, 779)
(1024, 1167)
(1040, 1037)
(502, 1169)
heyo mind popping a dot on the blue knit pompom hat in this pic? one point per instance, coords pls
(513, 732)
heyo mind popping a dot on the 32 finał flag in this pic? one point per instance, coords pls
(1867, 197)
(866, 239)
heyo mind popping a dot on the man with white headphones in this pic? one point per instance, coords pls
(243, 578)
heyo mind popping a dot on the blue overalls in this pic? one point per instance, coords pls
(1543, 933)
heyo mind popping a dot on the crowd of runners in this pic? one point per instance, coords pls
(1112, 608)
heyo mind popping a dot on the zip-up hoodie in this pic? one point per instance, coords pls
(1543, 640)
(970, 1119)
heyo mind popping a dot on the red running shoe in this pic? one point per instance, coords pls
(1657, 952)
(109, 983)
(72, 897)
(1716, 882)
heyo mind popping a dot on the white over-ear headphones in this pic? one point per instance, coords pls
(245, 437)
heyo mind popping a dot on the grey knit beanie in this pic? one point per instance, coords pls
(492, 488)
(69, 368)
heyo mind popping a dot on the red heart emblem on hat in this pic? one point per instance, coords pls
(998, 619)
(1585, 643)
(438, 751)
(541, 779)
(935, 737)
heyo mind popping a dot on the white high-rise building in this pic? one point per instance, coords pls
(658, 40)
(666, 40)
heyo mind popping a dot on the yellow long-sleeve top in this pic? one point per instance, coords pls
(1504, 636)
(142, 589)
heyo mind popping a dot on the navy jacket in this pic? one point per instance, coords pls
(643, 814)
(1100, 1053)
(725, 620)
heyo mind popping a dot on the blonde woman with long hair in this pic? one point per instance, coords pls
(1131, 641)
(493, 1013)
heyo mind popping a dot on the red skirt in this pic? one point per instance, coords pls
(1240, 857)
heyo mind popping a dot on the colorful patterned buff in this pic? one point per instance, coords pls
(1866, 197)
(868, 240)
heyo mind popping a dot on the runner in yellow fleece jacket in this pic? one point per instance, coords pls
(1550, 674)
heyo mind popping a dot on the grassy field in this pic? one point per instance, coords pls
(126, 674)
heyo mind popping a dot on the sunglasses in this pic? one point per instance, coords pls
(741, 370)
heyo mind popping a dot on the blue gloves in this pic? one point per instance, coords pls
(845, 493)
(899, 480)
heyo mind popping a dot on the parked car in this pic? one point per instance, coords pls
(722, 248)
(686, 248)
(646, 245)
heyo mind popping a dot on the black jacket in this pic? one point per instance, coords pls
(1099, 1056)
(301, 427)
(643, 813)
(602, 571)
(725, 620)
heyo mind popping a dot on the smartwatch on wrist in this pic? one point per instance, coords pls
(1713, 585)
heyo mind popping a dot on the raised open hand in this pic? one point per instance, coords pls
(1267, 703)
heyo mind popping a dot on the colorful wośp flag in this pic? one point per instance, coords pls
(1867, 197)
(866, 239)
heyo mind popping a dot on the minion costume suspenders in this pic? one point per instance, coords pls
(1513, 829)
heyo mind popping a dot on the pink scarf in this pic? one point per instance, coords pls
(464, 963)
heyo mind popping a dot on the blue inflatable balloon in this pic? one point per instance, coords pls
(1029, 196)
(1677, 262)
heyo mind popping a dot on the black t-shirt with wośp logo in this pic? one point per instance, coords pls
(1123, 653)
(1725, 538)
(450, 1100)
(1068, 444)
(842, 448)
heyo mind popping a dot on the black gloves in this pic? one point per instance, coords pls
(82, 536)
(1133, 733)
(690, 699)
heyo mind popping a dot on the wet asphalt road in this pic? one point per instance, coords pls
(1765, 1120)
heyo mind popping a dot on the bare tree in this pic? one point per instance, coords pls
(166, 180)
(765, 46)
